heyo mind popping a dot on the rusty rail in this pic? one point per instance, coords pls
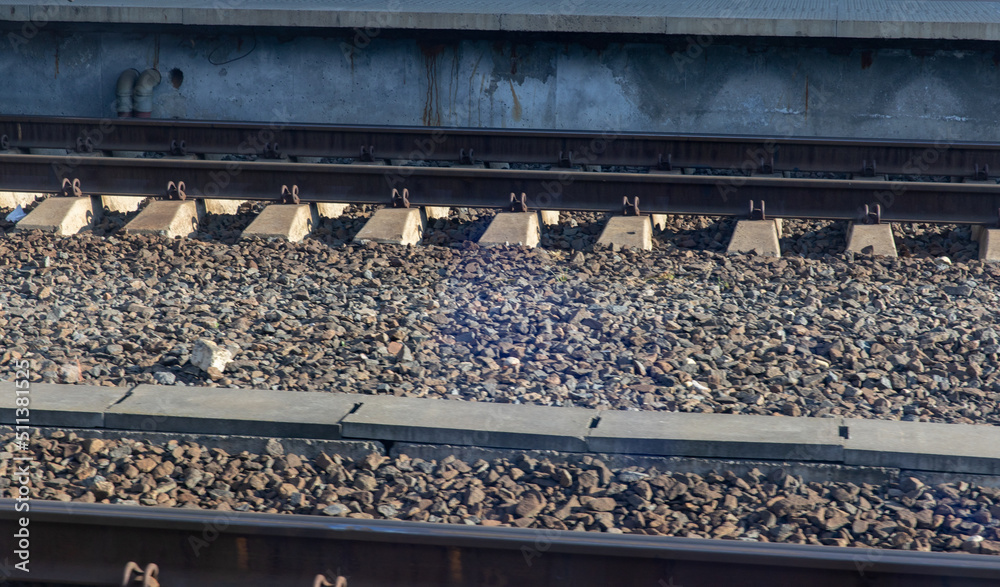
(91, 544)
(759, 154)
(972, 203)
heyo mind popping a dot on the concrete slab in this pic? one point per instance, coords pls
(167, 218)
(435, 212)
(659, 221)
(958, 448)
(717, 435)
(627, 231)
(122, 204)
(15, 199)
(758, 236)
(231, 411)
(549, 217)
(875, 19)
(462, 423)
(512, 228)
(63, 216)
(989, 244)
(78, 406)
(877, 236)
(394, 226)
(331, 210)
(292, 222)
(229, 207)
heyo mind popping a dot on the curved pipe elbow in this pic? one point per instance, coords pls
(124, 90)
(143, 94)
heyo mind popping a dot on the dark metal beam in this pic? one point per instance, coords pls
(936, 157)
(489, 188)
(89, 544)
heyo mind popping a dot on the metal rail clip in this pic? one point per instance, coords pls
(464, 158)
(873, 216)
(518, 204)
(135, 575)
(289, 196)
(175, 191)
(757, 213)
(400, 200)
(322, 581)
(630, 208)
(178, 148)
(71, 189)
(272, 151)
(84, 145)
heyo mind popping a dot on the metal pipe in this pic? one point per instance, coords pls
(124, 89)
(143, 94)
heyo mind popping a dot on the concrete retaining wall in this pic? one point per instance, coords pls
(697, 84)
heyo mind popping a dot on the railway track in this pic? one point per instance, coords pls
(92, 544)
(750, 164)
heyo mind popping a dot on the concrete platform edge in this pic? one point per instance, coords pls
(570, 430)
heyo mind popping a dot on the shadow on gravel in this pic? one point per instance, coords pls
(936, 240)
(462, 224)
(578, 233)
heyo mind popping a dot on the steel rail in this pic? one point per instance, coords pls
(748, 153)
(491, 188)
(89, 544)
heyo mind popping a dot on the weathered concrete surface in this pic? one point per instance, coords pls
(659, 221)
(292, 222)
(512, 228)
(469, 423)
(923, 446)
(231, 411)
(122, 204)
(167, 218)
(989, 244)
(80, 406)
(627, 436)
(627, 231)
(63, 216)
(230, 207)
(435, 212)
(810, 471)
(394, 226)
(717, 436)
(15, 199)
(793, 18)
(679, 86)
(331, 210)
(758, 236)
(549, 217)
(876, 236)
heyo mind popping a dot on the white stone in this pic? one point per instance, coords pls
(207, 354)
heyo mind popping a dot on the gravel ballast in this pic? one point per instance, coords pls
(522, 491)
(681, 328)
